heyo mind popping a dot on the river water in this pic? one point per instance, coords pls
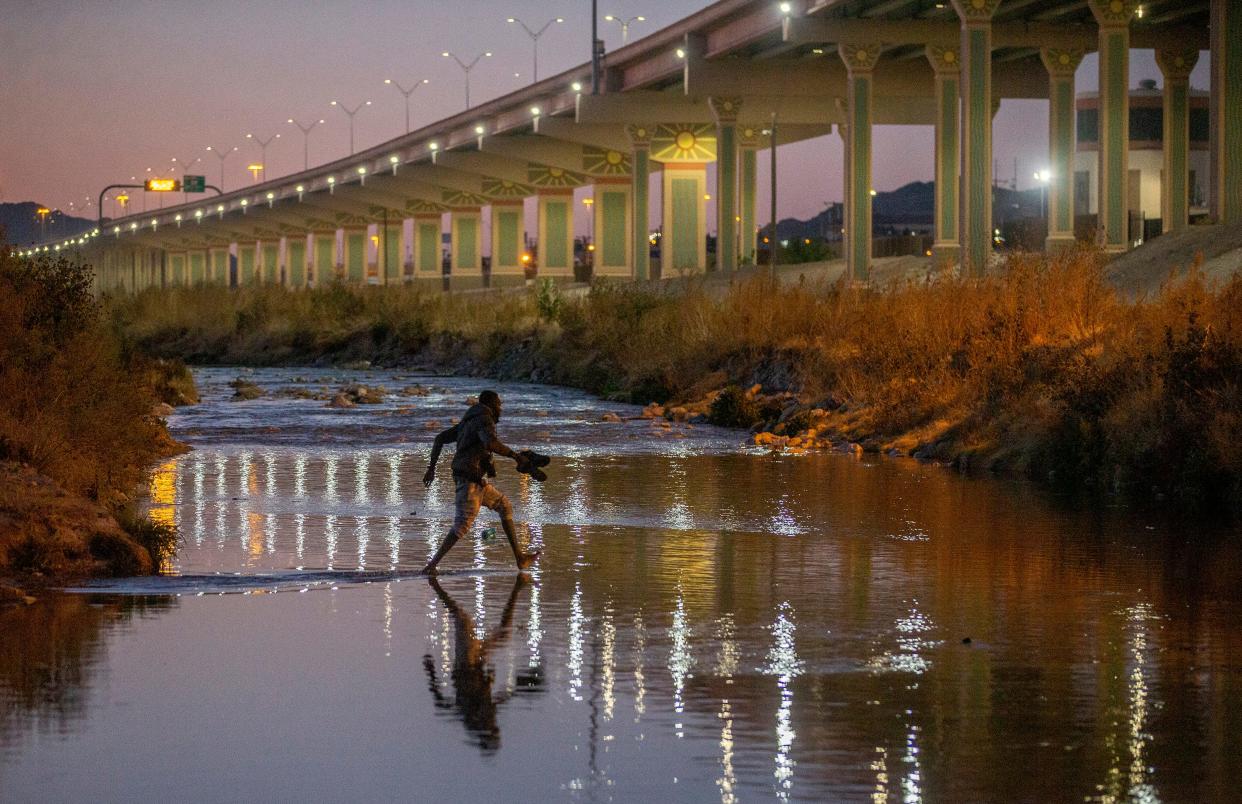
(707, 622)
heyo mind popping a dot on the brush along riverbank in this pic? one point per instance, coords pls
(1041, 369)
(81, 422)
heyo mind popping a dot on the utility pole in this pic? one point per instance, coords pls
(775, 243)
(597, 49)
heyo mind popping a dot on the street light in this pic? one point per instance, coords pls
(466, 68)
(263, 150)
(306, 130)
(185, 166)
(407, 93)
(221, 155)
(534, 37)
(625, 23)
(350, 113)
(1043, 177)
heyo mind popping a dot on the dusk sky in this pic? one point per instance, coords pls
(97, 92)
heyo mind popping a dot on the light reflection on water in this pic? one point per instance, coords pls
(705, 622)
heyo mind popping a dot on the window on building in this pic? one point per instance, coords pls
(1088, 125)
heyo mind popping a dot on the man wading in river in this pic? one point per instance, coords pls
(475, 436)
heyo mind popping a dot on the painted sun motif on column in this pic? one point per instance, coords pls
(684, 142)
(604, 162)
(419, 205)
(503, 188)
(458, 198)
(544, 176)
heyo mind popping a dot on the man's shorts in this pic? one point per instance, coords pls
(469, 497)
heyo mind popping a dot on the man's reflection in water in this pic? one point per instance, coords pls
(473, 698)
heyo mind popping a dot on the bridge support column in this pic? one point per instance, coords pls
(726, 111)
(613, 227)
(1113, 17)
(556, 233)
(218, 266)
(322, 263)
(976, 189)
(683, 244)
(1226, 111)
(428, 263)
(1175, 66)
(946, 63)
(640, 140)
(295, 261)
(466, 255)
(176, 269)
(860, 62)
(197, 264)
(247, 260)
(508, 218)
(748, 172)
(390, 251)
(353, 262)
(1061, 65)
(269, 255)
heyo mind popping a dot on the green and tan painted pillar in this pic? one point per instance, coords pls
(353, 264)
(946, 65)
(1175, 65)
(322, 263)
(428, 248)
(1113, 17)
(748, 179)
(613, 227)
(640, 248)
(1061, 65)
(726, 111)
(975, 218)
(390, 234)
(269, 254)
(466, 252)
(219, 271)
(556, 232)
(177, 269)
(198, 267)
(295, 261)
(1226, 111)
(247, 262)
(860, 60)
(508, 217)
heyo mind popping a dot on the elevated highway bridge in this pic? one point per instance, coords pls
(707, 89)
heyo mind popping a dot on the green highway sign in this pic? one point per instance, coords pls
(194, 184)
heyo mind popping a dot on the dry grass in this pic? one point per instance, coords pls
(1041, 368)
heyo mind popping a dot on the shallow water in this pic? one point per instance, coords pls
(707, 622)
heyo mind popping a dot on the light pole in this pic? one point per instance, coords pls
(1043, 177)
(306, 130)
(350, 113)
(625, 23)
(263, 150)
(534, 37)
(222, 155)
(185, 166)
(407, 93)
(466, 68)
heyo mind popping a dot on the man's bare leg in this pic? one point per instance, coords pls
(445, 546)
(524, 560)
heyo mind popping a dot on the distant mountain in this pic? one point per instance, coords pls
(912, 205)
(20, 226)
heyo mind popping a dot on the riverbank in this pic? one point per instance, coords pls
(1042, 369)
(81, 422)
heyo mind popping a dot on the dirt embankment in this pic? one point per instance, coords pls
(49, 535)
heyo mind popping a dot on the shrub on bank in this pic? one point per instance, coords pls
(1041, 368)
(77, 412)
